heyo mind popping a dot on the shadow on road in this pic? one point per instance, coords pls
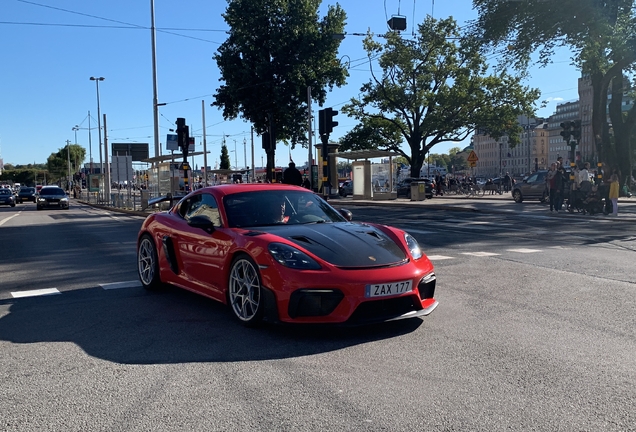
(132, 326)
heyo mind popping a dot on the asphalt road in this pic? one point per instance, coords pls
(535, 331)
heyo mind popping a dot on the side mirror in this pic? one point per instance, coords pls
(346, 214)
(201, 222)
(525, 180)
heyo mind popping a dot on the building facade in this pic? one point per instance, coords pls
(497, 157)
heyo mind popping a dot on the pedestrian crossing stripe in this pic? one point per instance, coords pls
(120, 285)
(524, 250)
(35, 293)
(481, 254)
(438, 257)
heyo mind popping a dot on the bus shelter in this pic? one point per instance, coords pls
(372, 181)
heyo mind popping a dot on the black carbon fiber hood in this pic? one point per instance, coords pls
(344, 244)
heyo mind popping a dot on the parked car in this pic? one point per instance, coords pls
(403, 188)
(26, 194)
(280, 253)
(7, 197)
(532, 187)
(346, 188)
(52, 197)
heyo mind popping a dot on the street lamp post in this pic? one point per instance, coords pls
(75, 129)
(99, 126)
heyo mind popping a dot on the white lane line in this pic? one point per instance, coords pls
(522, 250)
(3, 221)
(34, 293)
(120, 285)
(480, 254)
(419, 231)
(438, 257)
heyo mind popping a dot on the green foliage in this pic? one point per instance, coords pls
(274, 51)
(601, 36)
(57, 163)
(436, 88)
(372, 134)
(225, 158)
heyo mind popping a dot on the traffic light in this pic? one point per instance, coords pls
(576, 129)
(181, 130)
(325, 121)
(567, 131)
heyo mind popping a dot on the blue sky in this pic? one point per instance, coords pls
(50, 49)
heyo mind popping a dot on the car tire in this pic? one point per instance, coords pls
(13, 205)
(148, 264)
(39, 208)
(245, 294)
(408, 195)
(545, 197)
(516, 195)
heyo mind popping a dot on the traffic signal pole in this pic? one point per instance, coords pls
(325, 127)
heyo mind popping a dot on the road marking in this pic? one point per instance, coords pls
(419, 231)
(3, 221)
(121, 285)
(480, 254)
(34, 293)
(523, 250)
(438, 257)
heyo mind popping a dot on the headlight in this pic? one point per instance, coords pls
(64, 199)
(414, 248)
(41, 199)
(292, 257)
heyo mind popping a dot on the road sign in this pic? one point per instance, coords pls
(472, 157)
(171, 142)
(472, 164)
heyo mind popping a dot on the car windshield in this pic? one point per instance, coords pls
(5, 192)
(52, 191)
(274, 207)
(27, 190)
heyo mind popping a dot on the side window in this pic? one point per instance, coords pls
(185, 208)
(533, 178)
(204, 204)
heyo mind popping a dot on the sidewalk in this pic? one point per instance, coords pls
(502, 204)
(494, 204)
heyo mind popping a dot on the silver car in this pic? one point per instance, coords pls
(533, 186)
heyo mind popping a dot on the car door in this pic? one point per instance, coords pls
(536, 185)
(203, 253)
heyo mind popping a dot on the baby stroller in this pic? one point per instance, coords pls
(587, 199)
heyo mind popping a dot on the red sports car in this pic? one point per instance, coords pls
(283, 254)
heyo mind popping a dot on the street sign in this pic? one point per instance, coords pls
(472, 164)
(171, 142)
(472, 157)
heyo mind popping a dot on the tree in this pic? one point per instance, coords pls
(436, 89)
(602, 38)
(225, 158)
(371, 134)
(57, 163)
(274, 51)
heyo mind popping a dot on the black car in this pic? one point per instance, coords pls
(346, 188)
(52, 197)
(6, 197)
(404, 187)
(26, 194)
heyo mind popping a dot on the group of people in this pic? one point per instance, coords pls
(558, 185)
(293, 176)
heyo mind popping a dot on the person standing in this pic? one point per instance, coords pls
(507, 182)
(551, 185)
(561, 181)
(292, 176)
(613, 193)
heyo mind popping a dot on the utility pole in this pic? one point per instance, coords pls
(205, 148)
(68, 164)
(309, 137)
(106, 164)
